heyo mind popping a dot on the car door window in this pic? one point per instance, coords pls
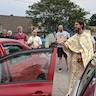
(26, 67)
(12, 48)
(90, 90)
(86, 79)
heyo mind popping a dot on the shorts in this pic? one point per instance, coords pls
(60, 52)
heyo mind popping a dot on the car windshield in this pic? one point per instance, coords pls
(88, 77)
(25, 66)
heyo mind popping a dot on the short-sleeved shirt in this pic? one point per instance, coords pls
(62, 34)
(35, 40)
(21, 37)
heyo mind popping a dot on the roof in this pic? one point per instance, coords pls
(13, 16)
(7, 40)
(3, 40)
(11, 22)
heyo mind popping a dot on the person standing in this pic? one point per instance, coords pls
(50, 40)
(94, 37)
(10, 35)
(4, 33)
(61, 37)
(81, 49)
(34, 41)
(20, 35)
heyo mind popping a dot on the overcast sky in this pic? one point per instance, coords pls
(18, 7)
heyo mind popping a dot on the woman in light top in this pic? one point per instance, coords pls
(34, 41)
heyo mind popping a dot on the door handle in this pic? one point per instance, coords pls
(40, 93)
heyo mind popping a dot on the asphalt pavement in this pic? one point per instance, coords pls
(60, 85)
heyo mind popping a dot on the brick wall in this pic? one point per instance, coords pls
(11, 22)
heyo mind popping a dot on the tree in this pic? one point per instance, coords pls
(53, 12)
(92, 21)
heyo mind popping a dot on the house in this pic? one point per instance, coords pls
(11, 22)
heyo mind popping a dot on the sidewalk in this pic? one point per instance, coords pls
(60, 85)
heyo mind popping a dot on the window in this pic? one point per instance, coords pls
(90, 90)
(12, 48)
(28, 66)
(87, 78)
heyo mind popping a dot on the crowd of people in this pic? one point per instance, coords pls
(34, 41)
(77, 50)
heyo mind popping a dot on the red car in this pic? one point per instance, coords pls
(28, 73)
(86, 86)
(8, 46)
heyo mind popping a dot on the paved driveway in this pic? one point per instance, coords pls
(60, 81)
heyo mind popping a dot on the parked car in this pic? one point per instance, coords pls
(28, 73)
(86, 86)
(8, 46)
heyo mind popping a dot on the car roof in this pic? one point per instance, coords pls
(27, 51)
(7, 40)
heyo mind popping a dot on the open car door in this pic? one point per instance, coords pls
(28, 73)
(86, 86)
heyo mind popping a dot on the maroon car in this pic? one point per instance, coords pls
(28, 73)
(9, 46)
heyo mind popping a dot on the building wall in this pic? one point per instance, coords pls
(11, 22)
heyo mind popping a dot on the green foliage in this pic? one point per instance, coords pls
(53, 12)
(92, 21)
